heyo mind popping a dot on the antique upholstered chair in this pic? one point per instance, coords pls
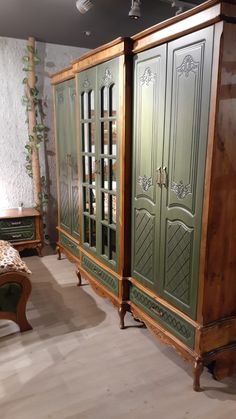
(15, 286)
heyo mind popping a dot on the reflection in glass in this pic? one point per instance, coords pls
(86, 229)
(105, 173)
(86, 169)
(93, 201)
(113, 136)
(93, 170)
(84, 99)
(112, 101)
(91, 104)
(104, 137)
(104, 102)
(92, 136)
(113, 212)
(105, 241)
(85, 136)
(113, 174)
(93, 233)
(113, 244)
(105, 206)
(86, 199)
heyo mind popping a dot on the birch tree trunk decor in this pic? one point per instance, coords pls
(35, 129)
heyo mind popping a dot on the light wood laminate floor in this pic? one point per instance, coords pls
(76, 363)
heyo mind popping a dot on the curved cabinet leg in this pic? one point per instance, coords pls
(122, 312)
(39, 249)
(59, 252)
(79, 277)
(197, 371)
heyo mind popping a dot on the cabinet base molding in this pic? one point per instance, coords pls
(99, 288)
(221, 362)
(218, 334)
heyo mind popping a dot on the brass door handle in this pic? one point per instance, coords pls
(159, 176)
(164, 176)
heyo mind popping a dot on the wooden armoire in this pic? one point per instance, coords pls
(161, 241)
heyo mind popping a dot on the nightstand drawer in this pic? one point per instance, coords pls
(71, 246)
(17, 236)
(17, 223)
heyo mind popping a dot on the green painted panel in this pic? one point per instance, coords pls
(165, 317)
(63, 150)
(105, 278)
(71, 246)
(148, 128)
(73, 161)
(187, 108)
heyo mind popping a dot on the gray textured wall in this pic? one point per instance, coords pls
(15, 184)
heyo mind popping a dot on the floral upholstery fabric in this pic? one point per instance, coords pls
(10, 259)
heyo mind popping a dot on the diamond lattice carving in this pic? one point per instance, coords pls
(143, 246)
(75, 204)
(178, 261)
(64, 198)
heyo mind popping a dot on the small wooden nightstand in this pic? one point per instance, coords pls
(22, 228)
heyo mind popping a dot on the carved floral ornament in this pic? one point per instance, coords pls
(180, 189)
(107, 78)
(60, 98)
(145, 182)
(148, 77)
(187, 66)
(86, 83)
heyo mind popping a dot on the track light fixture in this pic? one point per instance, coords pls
(83, 5)
(135, 11)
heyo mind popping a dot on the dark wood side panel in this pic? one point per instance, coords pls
(220, 266)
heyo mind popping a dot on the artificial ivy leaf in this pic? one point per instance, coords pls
(36, 59)
(29, 108)
(25, 80)
(25, 59)
(40, 127)
(25, 100)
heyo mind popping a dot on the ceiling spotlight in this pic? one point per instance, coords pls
(135, 11)
(83, 5)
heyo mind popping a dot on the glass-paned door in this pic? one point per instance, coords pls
(107, 80)
(89, 163)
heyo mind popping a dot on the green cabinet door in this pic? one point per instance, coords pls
(73, 161)
(148, 130)
(99, 148)
(67, 157)
(62, 116)
(186, 127)
(108, 160)
(88, 154)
